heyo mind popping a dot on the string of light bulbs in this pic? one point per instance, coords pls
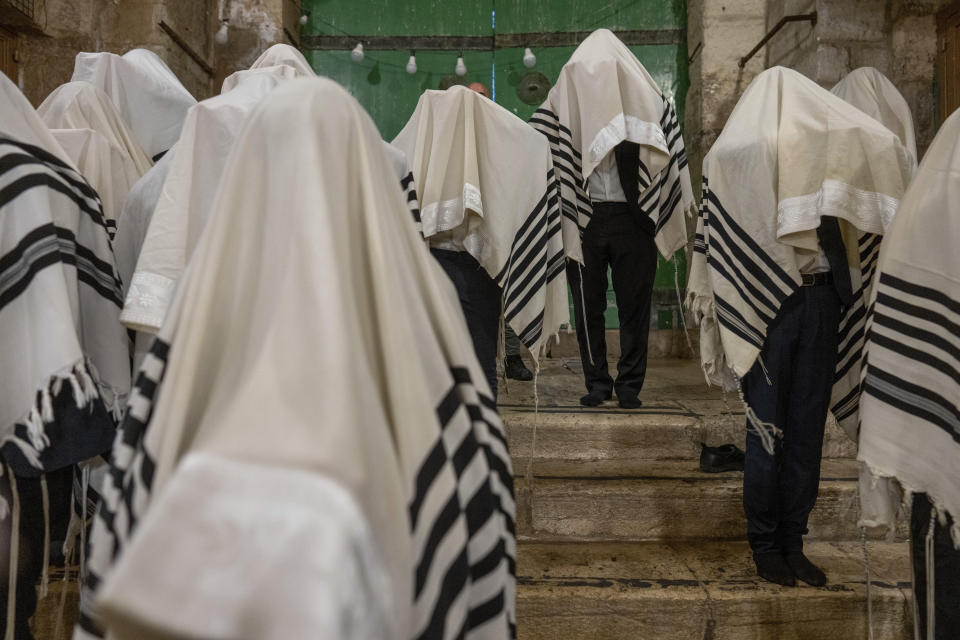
(358, 54)
(529, 59)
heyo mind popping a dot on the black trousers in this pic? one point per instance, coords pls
(618, 238)
(946, 572)
(481, 300)
(780, 490)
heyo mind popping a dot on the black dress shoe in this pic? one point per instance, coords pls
(595, 398)
(516, 370)
(726, 457)
(629, 402)
(773, 567)
(805, 570)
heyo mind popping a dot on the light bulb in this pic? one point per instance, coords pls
(303, 19)
(461, 67)
(222, 34)
(412, 64)
(528, 58)
(357, 54)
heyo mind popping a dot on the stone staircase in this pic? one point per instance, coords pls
(622, 537)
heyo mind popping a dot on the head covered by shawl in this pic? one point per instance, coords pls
(910, 422)
(186, 199)
(314, 346)
(149, 96)
(81, 105)
(59, 300)
(485, 182)
(790, 153)
(280, 59)
(872, 92)
(603, 97)
(90, 129)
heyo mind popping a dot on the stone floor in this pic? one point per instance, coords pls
(622, 536)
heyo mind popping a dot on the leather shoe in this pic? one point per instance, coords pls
(629, 402)
(726, 457)
(773, 567)
(805, 570)
(595, 398)
(515, 369)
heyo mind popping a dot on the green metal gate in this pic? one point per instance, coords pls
(491, 37)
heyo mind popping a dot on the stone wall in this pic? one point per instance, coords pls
(182, 32)
(898, 37)
(719, 33)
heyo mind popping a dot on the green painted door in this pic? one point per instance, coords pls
(381, 83)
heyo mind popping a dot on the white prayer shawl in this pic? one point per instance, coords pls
(186, 199)
(311, 335)
(909, 416)
(872, 92)
(401, 165)
(484, 175)
(81, 105)
(66, 369)
(149, 96)
(790, 153)
(603, 97)
(105, 166)
(280, 59)
(137, 213)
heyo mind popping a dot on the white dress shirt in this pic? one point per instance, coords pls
(603, 185)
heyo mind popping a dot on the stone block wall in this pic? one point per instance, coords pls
(719, 33)
(65, 27)
(898, 37)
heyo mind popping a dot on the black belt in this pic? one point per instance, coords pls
(610, 207)
(816, 279)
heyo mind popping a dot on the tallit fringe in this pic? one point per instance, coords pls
(908, 492)
(700, 306)
(83, 380)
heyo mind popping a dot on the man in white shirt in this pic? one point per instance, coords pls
(619, 237)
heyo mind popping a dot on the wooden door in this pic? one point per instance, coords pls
(8, 49)
(948, 61)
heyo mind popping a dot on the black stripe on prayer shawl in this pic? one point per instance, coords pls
(68, 181)
(48, 245)
(914, 400)
(486, 520)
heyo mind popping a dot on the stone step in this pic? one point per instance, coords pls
(612, 500)
(662, 430)
(704, 591)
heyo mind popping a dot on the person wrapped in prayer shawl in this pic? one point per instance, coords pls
(870, 91)
(314, 386)
(797, 190)
(513, 366)
(66, 371)
(149, 96)
(490, 214)
(280, 60)
(909, 415)
(186, 199)
(622, 175)
(91, 130)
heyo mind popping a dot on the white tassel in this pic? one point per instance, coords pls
(931, 575)
(45, 575)
(36, 430)
(79, 398)
(866, 568)
(46, 405)
(583, 310)
(683, 321)
(90, 389)
(85, 482)
(766, 431)
(14, 559)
